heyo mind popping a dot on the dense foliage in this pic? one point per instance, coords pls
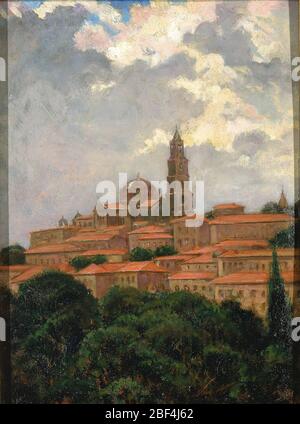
(140, 254)
(139, 347)
(12, 255)
(50, 317)
(273, 207)
(284, 238)
(80, 262)
(164, 251)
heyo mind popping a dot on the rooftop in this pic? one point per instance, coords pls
(192, 276)
(53, 248)
(260, 252)
(202, 259)
(242, 243)
(145, 266)
(95, 252)
(251, 218)
(156, 236)
(253, 278)
(228, 206)
(149, 229)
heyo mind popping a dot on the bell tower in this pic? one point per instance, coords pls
(177, 166)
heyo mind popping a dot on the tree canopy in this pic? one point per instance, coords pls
(284, 238)
(79, 262)
(141, 254)
(50, 317)
(139, 347)
(12, 255)
(164, 251)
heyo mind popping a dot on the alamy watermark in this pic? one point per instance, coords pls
(2, 330)
(155, 198)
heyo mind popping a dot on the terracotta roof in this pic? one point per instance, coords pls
(121, 267)
(37, 269)
(72, 227)
(53, 248)
(173, 258)
(202, 250)
(251, 218)
(202, 259)
(192, 276)
(242, 243)
(106, 268)
(253, 278)
(91, 237)
(15, 268)
(142, 266)
(156, 236)
(184, 218)
(259, 252)
(228, 206)
(149, 229)
(108, 252)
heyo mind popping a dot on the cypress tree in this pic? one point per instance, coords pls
(279, 309)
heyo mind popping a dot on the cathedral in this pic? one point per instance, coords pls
(177, 171)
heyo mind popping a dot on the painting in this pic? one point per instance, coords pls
(151, 182)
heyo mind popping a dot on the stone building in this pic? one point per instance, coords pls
(51, 235)
(257, 261)
(189, 237)
(251, 290)
(111, 255)
(141, 275)
(228, 209)
(196, 282)
(172, 263)
(52, 254)
(247, 226)
(202, 263)
(135, 235)
(155, 240)
(94, 240)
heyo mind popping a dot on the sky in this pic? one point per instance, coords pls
(98, 87)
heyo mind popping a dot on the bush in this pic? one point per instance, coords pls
(12, 255)
(140, 254)
(165, 251)
(80, 262)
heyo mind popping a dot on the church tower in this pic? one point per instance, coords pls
(283, 204)
(177, 166)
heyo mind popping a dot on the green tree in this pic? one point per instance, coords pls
(80, 262)
(165, 251)
(50, 316)
(279, 309)
(12, 255)
(284, 238)
(140, 254)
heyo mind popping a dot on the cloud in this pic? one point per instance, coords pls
(91, 98)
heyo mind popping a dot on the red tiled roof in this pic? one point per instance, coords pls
(192, 276)
(202, 250)
(184, 218)
(242, 243)
(37, 269)
(253, 278)
(15, 268)
(228, 206)
(251, 218)
(107, 252)
(156, 236)
(173, 258)
(53, 248)
(142, 266)
(91, 237)
(121, 267)
(260, 252)
(202, 259)
(149, 229)
(106, 268)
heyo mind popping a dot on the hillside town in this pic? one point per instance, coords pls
(228, 257)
